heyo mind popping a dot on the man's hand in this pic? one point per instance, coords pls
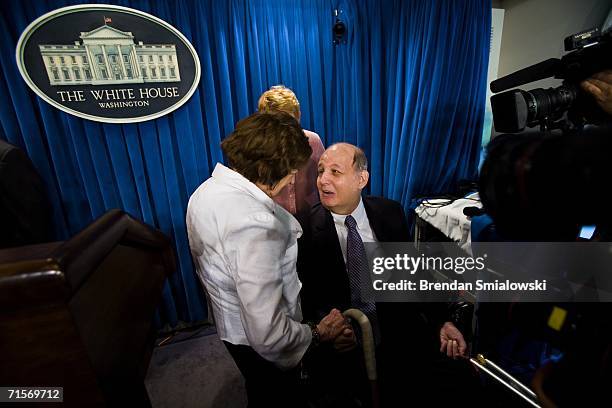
(331, 326)
(452, 342)
(345, 341)
(600, 86)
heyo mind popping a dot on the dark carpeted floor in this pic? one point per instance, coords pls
(194, 370)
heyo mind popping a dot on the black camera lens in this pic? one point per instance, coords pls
(516, 109)
(550, 103)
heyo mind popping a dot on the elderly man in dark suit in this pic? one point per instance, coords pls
(330, 254)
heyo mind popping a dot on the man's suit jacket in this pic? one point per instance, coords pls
(325, 283)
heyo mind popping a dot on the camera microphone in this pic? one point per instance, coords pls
(542, 70)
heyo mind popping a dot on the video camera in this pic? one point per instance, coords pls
(545, 185)
(516, 109)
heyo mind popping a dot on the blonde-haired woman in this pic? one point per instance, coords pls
(301, 192)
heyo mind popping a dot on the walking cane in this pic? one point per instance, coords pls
(369, 350)
(505, 379)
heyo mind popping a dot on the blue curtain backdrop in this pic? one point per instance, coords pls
(408, 86)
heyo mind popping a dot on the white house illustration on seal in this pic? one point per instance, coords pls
(109, 56)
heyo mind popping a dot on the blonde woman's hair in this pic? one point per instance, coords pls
(279, 98)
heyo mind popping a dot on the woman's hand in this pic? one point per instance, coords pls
(331, 326)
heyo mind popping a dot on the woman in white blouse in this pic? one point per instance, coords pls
(245, 249)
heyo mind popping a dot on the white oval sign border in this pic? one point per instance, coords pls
(72, 9)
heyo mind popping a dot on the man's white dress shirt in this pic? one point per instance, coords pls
(245, 249)
(363, 227)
